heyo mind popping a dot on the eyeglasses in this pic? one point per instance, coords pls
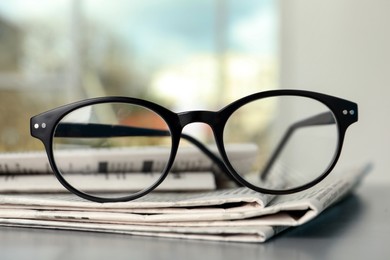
(298, 136)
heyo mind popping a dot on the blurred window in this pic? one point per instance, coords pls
(194, 54)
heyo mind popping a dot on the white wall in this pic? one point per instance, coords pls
(342, 47)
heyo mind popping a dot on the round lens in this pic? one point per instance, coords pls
(111, 150)
(294, 141)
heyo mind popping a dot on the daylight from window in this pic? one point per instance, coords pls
(196, 54)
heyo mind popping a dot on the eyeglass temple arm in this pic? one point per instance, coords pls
(67, 130)
(325, 118)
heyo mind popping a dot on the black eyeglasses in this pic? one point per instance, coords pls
(297, 137)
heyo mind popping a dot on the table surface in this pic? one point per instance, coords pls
(355, 228)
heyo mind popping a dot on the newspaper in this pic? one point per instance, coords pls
(192, 170)
(122, 159)
(239, 214)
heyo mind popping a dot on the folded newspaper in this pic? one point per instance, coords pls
(238, 214)
(193, 170)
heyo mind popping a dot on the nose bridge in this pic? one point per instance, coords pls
(207, 117)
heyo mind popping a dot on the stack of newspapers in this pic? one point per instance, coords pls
(191, 204)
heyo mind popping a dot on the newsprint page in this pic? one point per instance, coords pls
(191, 203)
(238, 214)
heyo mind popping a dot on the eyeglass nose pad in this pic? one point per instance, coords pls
(199, 116)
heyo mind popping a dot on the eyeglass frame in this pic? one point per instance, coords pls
(43, 127)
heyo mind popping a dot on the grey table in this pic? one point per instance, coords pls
(356, 228)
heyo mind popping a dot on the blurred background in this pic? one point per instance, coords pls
(196, 54)
(184, 55)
